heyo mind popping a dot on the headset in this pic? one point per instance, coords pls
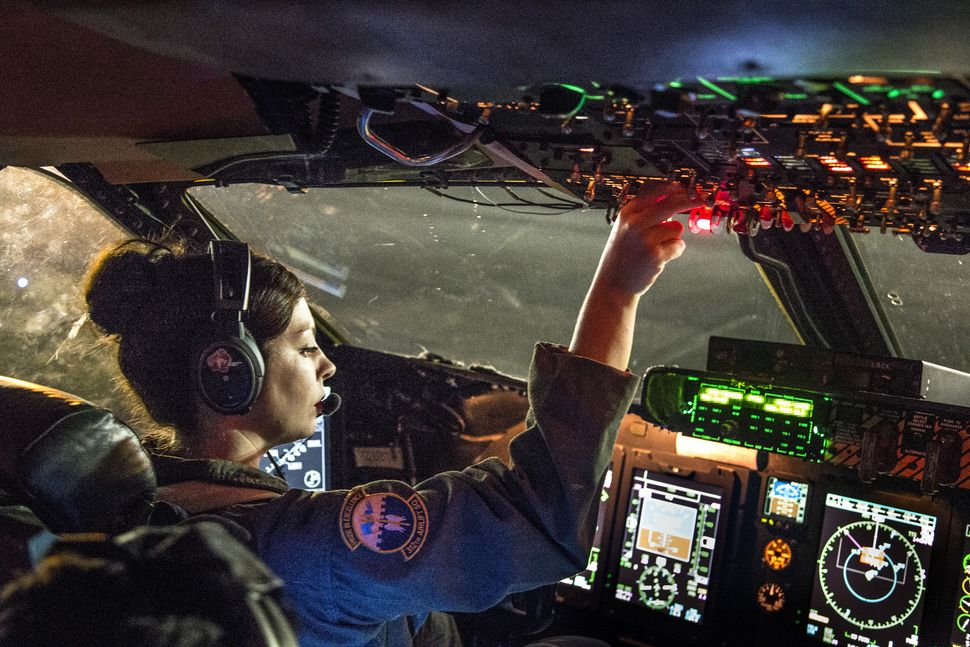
(228, 369)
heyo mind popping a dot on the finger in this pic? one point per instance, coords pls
(671, 250)
(669, 229)
(656, 206)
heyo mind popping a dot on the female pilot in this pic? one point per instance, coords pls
(365, 566)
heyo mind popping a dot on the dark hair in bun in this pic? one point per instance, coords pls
(155, 300)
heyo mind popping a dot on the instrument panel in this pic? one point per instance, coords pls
(874, 152)
(799, 546)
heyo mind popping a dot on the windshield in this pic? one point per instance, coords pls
(924, 297)
(406, 271)
(49, 234)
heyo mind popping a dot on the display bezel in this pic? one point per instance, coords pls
(782, 522)
(896, 499)
(730, 480)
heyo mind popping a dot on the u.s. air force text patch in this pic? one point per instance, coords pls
(384, 522)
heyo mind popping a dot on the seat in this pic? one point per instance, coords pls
(66, 466)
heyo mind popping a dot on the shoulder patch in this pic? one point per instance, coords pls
(384, 522)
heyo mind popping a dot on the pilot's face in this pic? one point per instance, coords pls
(296, 368)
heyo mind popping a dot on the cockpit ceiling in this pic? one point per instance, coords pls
(484, 50)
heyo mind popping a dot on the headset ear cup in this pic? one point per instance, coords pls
(228, 373)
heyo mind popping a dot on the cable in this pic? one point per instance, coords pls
(563, 202)
(505, 206)
(557, 197)
(501, 205)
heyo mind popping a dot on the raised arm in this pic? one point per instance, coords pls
(642, 241)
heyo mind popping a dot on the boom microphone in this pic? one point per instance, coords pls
(331, 402)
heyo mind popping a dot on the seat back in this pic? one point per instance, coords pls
(73, 464)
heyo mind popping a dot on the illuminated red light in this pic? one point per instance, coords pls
(700, 220)
(787, 223)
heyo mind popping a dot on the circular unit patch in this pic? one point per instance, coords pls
(384, 522)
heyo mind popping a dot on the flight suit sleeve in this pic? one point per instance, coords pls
(462, 541)
(459, 541)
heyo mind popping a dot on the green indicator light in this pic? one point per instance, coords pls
(691, 378)
(794, 95)
(921, 88)
(894, 93)
(877, 88)
(721, 91)
(676, 84)
(751, 397)
(851, 94)
(706, 96)
(938, 94)
(574, 88)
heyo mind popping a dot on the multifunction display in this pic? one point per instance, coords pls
(302, 463)
(870, 581)
(669, 542)
(786, 499)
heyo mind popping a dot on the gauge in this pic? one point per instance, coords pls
(771, 597)
(777, 554)
(657, 587)
(871, 575)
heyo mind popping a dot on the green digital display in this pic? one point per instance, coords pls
(769, 403)
(755, 418)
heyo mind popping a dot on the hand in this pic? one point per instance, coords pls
(644, 239)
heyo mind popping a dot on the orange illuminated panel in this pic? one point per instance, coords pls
(962, 168)
(751, 157)
(757, 161)
(874, 163)
(835, 166)
(777, 554)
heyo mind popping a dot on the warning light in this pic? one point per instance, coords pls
(835, 166)
(787, 223)
(873, 163)
(962, 168)
(700, 220)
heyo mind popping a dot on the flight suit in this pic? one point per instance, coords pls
(360, 566)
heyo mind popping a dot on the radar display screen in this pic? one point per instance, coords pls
(587, 578)
(960, 630)
(871, 574)
(786, 499)
(303, 463)
(669, 538)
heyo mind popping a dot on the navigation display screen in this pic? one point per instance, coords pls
(871, 575)
(303, 463)
(960, 629)
(786, 499)
(587, 578)
(669, 541)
